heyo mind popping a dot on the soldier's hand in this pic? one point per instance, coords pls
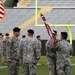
(8, 59)
(52, 39)
(48, 45)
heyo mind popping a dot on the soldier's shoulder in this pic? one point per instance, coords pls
(48, 41)
(68, 43)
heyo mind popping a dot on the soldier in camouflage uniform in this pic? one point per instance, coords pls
(40, 45)
(13, 53)
(39, 41)
(1, 48)
(51, 55)
(63, 56)
(23, 39)
(5, 45)
(31, 52)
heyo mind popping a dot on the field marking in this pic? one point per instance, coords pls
(36, 10)
(3, 67)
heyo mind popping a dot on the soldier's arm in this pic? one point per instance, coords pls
(71, 49)
(21, 50)
(37, 50)
(9, 48)
(4, 47)
(47, 45)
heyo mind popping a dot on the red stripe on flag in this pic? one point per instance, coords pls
(1, 13)
(0, 17)
(2, 8)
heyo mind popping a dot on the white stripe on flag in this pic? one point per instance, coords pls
(1, 15)
(1, 6)
(1, 11)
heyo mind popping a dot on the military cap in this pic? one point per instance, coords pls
(6, 34)
(16, 29)
(0, 33)
(54, 32)
(31, 31)
(23, 36)
(38, 36)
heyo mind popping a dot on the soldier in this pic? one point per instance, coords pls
(40, 45)
(13, 53)
(1, 48)
(30, 51)
(63, 56)
(5, 45)
(51, 55)
(2, 36)
(23, 39)
(39, 40)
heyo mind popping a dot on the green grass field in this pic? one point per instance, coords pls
(41, 69)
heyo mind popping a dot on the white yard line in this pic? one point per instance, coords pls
(2, 67)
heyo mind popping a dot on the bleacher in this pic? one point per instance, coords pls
(53, 3)
(17, 17)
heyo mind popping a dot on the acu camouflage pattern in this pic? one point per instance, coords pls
(1, 49)
(13, 53)
(63, 58)
(31, 52)
(51, 50)
(6, 45)
(51, 57)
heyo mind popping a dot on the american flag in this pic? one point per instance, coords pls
(2, 11)
(49, 31)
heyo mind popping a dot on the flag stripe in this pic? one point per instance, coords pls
(1, 8)
(2, 11)
(0, 17)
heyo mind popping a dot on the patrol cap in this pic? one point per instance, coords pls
(64, 35)
(0, 33)
(38, 36)
(31, 31)
(54, 32)
(6, 34)
(16, 29)
(23, 36)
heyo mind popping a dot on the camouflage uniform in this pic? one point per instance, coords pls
(63, 58)
(39, 43)
(5, 46)
(51, 57)
(31, 52)
(1, 48)
(13, 53)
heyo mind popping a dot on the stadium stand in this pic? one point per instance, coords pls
(23, 18)
(48, 3)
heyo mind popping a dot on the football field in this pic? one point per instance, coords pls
(41, 69)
